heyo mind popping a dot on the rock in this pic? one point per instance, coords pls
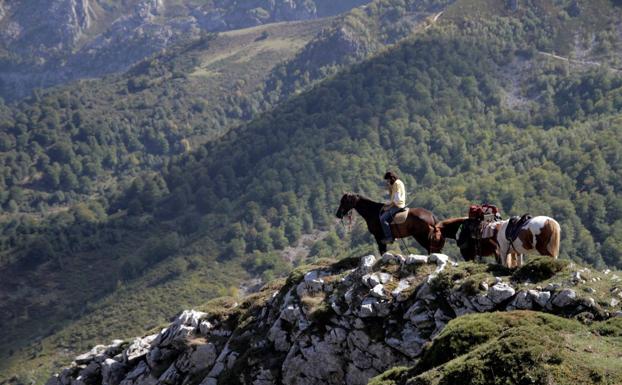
(367, 264)
(112, 372)
(264, 377)
(483, 286)
(614, 302)
(367, 307)
(141, 370)
(170, 376)
(291, 314)
(371, 280)
(439, 259)
(576, 277)
(422, 320)
(115, 347)
(413, 259)
(336, 336)
(97, 351)
(398, 292)
(138, 349)
(618, 313)
(482, 303)
(540, 297)
(552, 287)
(523, 301)
(425, 292)
(392, 259)
(191, 318)
(590, 290)
(500, 292)
(348, 295)
(498, 280)
(564, 298)
(203, 357)
(378, 291)
(205, 327)
(385, 277)
(91, 374)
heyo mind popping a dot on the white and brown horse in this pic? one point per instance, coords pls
(540, 235)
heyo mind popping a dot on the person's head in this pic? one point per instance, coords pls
(390, 177)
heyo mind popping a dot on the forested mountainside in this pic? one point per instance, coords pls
(67, 144)
(43, 43)
(516, 104)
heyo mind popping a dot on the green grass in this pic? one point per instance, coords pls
(520, 347)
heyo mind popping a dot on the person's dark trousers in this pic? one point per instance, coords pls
(385, 219)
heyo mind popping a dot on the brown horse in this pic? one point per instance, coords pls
(417, 224)
(471, 247)
(540, 235)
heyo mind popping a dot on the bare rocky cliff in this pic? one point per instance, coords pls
(339, 324)
(51, 42)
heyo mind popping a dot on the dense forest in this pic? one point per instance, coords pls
(471, 109)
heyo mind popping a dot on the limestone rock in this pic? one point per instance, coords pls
(378, 291)
(112, 372)
(500, 292)
(564, 298)
(523, 300)
(367, 264)
(413, 259)
(97, 351)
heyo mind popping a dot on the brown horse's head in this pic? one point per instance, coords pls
(347, 203)
(436, 238)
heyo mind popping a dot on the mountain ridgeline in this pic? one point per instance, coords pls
(513, 103)
(45, 43)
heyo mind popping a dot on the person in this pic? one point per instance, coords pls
(397, 202)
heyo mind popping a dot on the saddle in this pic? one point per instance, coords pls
(514, 226)
(400, 216)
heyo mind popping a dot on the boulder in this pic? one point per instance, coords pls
(367, 264)
(565, 297)
(500, 292)
(482, 303)
(413, 259)
(97, 352)
(398, 292)
(138, 349)
(523, 301)
(378, 291)
(112, 372)
(540, 297)
(367, 307)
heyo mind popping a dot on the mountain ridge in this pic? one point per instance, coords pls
(347, 322)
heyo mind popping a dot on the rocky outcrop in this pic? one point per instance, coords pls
(337, 324)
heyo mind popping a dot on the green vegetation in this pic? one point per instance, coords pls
(516, 347)
(466, 111)
(539, 269)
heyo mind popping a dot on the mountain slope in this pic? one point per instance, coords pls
(89, 137)
(50, 42)
(436, 108)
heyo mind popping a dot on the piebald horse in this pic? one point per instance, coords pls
(540, 235)
(417, 224)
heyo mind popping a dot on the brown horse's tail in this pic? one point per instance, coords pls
(553, 245)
